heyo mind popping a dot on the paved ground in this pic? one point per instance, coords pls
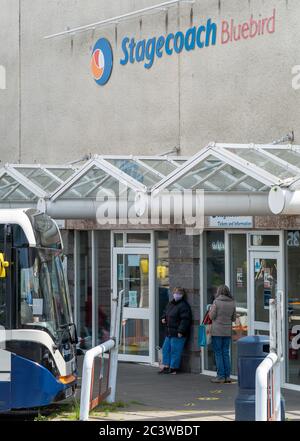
(184, 397)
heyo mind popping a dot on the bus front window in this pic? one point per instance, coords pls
(43, 297)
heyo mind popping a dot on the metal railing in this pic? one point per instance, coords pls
(110, 347)
(267, 389)
(268, 373)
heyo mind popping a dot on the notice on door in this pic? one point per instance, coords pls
(132, 299)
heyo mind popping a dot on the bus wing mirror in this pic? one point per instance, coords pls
(3, 265)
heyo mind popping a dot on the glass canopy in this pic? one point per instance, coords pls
(244, 168)
(236, 167)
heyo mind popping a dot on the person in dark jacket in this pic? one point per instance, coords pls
(222, 314)
(177, 319)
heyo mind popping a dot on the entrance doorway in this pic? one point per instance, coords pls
(132, 272)
(251, 264)
(265, 281)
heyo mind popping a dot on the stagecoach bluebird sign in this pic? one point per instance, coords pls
(197, 37)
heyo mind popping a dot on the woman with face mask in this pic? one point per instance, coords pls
(177, 319)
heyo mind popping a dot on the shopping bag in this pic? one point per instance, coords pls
(202, 335)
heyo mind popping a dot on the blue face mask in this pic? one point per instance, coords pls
(177, 296)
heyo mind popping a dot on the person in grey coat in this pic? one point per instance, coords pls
(222, 313)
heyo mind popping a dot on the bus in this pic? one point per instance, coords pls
(37, 334)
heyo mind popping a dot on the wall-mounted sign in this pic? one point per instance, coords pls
(239, 278)
(132, 299)
(146, 51)
(230, 221)
(293, 239)
(267, 298)
(296, 339)
(218, 246)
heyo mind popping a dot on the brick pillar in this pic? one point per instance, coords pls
(184, 271)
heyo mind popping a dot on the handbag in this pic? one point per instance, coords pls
(204, 331)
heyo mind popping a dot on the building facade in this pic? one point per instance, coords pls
(178, 77)
(236, 87)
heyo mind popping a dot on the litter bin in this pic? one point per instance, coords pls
(251, 351)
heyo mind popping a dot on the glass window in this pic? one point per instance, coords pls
(259, 159)
(265, 240)
(293, 157)
(212, 174)
(214, 275)
(2, 284)
(135, 337)
(163, 167)
(2, 302)
(89, 185)
(118, 239)
(162, 282)
(40, 178)
(265, 287)
(293, 307)
(238, 287)
(84, 290)
(12, 190)
(43, 300)
(136, 170)
(138, 238)
(103, 284)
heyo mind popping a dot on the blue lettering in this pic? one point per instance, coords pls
(190, 39)
(200, 44)
(150, 52)
(146, 50)
(131, 47)
(159, 45)
(140, 51)
(211, 28)
(125, 51)
(170, 37)
(178, 47)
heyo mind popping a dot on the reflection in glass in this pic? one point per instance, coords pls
(214, 275)
(85, 291)
(133, 278)
(238, 287)
(162, 282)
(265, 286)
(134, 337)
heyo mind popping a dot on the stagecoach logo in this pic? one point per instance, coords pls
(102, 61)
(146, 51)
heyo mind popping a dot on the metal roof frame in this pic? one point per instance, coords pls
(263, 149)
(107, 168)
(22, 180)
(219, 152)
(162, 6)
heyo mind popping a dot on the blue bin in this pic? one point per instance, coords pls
(251, 351)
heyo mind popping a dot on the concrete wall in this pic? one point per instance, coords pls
(53, 111)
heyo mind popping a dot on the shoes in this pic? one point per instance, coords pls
(165, 370)
(217, 380)
(173, 371)
(228, 380)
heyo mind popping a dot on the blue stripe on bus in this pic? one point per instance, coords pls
(32, 385)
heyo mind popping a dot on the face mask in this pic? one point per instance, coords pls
(177, 296)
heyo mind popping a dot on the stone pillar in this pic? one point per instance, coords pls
(184, 271)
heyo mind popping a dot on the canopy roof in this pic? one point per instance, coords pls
(217, 168)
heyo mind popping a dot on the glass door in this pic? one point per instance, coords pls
(133, 273)
(265, 281)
